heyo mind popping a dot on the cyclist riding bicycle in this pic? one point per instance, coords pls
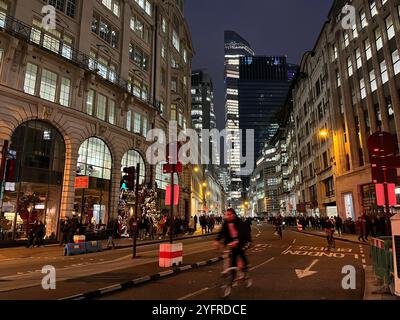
(278, 225)
(237, 238)
(329, 230)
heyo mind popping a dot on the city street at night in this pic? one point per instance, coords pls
(273, 269)
(222, 156)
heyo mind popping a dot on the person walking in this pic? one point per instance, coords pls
(361, 229)
(339, 225)
(195, 220)
(40, 232)
(64, 228)
(112, 231)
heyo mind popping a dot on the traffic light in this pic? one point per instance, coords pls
(128, 180)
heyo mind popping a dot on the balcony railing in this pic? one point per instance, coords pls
(25, 32)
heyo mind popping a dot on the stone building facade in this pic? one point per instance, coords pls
(78, 101)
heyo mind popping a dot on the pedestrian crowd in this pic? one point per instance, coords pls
(365, 226)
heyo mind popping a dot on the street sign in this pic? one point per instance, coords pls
(381, 144)
(168, 195)
(81, 182)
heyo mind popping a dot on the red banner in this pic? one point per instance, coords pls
(81, 182)
(168, 195)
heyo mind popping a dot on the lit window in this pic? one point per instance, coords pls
(358, 58)
(131, 159)
(95, 159)
(112, 5)
(145, 126)
(101, 107)
(175, 40)
(372, 7)
(129, 120)
(368, 50)
(137, 123)
(111, 111)
(30, 78)
(67, 7)
(363, 19)
(390, 27)
(48, 85)
(65, 92)
(90, 102)
(173, 112)
(372, 80)
(396, 62)
(384, 73)
(378, 38)
(349, 67)
(363, 92)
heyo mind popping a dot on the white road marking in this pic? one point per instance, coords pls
(364, 261)
(287, 249)
(307, 272)
(294, 241)
(194, 294)
(261, 264)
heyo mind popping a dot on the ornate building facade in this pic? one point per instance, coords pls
(76, 103)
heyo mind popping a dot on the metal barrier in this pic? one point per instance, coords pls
(72, 249)
(382, 258)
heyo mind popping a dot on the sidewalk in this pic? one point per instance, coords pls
(343, 237)
(54, 250)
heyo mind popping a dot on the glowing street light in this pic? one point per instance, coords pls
(323, 133)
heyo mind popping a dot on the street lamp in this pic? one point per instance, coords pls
(324, 133)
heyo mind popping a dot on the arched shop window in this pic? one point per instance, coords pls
(162, 180)
(92, 200)
(33, 180)
(95, 159)
(131, 159)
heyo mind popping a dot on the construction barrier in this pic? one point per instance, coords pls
(72, 249)
(299, 227)
(93, 246)
(382, 258)
(171, 255)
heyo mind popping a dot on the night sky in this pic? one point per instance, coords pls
(273, 27)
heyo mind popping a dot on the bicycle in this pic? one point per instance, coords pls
(227, 282)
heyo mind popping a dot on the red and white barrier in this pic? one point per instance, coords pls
(79, 239)
(378, 243)
(171, 255)
(299, 227)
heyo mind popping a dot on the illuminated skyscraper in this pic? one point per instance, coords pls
(235, 47)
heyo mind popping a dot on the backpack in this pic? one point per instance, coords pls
(245, 232)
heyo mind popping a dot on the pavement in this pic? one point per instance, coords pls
(299, 267)
(342, 237)
(54, 250)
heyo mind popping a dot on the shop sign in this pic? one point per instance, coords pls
(81, 182)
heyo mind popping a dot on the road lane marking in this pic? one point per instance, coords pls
(294, 241)
(307, 272)
(261, 264)
(194, 294)
(283, 252)
(364, 261)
